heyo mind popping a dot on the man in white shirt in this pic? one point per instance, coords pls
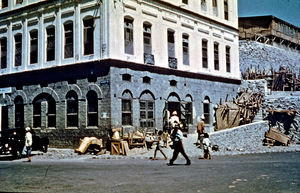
(174, 119)
(28, 144)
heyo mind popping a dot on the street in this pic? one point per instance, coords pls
(270, 172)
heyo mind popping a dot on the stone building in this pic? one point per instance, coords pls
(74, 68)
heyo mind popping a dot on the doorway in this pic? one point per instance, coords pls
(174, 106)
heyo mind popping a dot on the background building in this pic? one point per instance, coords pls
(270, 49)
(78, 68)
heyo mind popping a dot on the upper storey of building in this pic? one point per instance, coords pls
(269, 29)
(187, 35)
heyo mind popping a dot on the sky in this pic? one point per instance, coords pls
(287, 10)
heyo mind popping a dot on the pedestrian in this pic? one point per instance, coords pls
(178, 147)
(206, 147)
(28, 144)
(159, 146)
(165, 136)
(174, 119)
(200, 132)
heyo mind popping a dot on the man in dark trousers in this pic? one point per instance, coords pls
(177, 138)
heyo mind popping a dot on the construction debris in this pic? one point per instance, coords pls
(285, 122)
(284, 80)
(274, 136)
(240, 111)
(122, 144)
(91, 144)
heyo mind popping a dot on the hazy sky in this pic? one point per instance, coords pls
(287, 10)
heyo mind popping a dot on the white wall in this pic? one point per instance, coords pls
(163, 18)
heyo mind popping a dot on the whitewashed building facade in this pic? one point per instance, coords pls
(71, 68)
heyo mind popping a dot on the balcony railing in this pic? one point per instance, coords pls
(173, 62)
(148, 59)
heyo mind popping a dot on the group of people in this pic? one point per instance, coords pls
(177, 140)
(176, 137)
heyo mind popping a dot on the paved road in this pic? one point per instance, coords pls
(273, 172)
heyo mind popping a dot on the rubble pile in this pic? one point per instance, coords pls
(266, 57)
(286, 107)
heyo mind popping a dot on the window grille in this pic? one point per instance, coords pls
(126, 108)
(147, 119)
(4, 3)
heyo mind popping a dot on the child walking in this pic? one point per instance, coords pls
(159, 146)
(165, 136)
(206, 147)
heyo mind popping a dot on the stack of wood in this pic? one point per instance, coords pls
(241, 110)
(283, 80)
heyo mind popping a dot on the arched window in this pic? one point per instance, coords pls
(88, 36)
(187, 110)
(72, 109)
(33, 46)
(128, 35)
(44, 106)
(147, 118)
(50, 43)
(127, 108)
(69, 40)
(92, 108)
(19, 112)
(206, 110)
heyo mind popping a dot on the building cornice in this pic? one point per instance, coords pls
(194, 14)
(96, 68)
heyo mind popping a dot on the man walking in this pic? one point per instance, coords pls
(28, 143)
(177, 138)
